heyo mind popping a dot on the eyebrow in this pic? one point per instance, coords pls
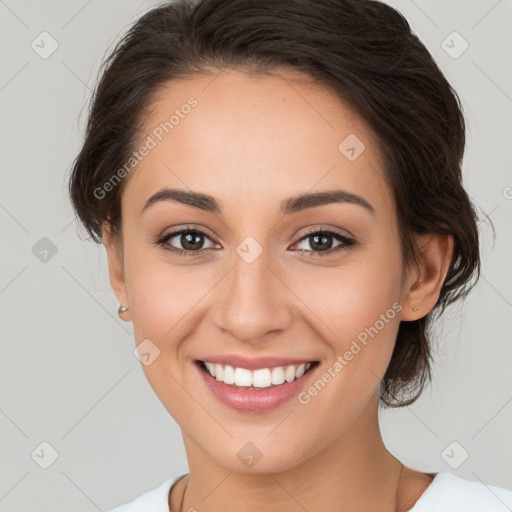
(294, 204)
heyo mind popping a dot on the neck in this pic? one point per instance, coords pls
(355, 473)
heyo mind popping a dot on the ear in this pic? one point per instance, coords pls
(424, 283)
(115, 267)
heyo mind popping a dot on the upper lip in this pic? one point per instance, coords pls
(254, 363)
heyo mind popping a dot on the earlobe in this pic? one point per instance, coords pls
(425, 283)
(115, 267)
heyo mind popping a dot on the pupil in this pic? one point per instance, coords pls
(324, 240)
(188, 240)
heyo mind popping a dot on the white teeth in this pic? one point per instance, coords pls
(219, 372)
(277, 375)
(300, 371)
(289, 373)
(261, 378)
(229, 375)
(211, 368)
(243, 377)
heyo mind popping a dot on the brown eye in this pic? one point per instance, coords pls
(320, 242)
(190, 240)
(185, 242)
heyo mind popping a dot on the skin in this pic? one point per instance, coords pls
(251, 142)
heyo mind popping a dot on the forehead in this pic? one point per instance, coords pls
(247, 137)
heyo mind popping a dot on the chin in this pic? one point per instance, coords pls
(260, 456)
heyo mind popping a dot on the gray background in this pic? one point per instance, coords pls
(68, 375)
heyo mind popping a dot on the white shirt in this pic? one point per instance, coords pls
(446, 493)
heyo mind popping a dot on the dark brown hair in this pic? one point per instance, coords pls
(365, 52)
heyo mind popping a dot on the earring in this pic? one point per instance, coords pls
(121, 309)
(415, 309)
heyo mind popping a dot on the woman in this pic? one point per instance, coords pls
(278, 188)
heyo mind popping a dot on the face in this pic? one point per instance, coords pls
(261, 273)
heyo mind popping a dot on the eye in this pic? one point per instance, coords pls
(321, 244)
(189, 240)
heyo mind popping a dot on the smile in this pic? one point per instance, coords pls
(256, 379)
(257, 390)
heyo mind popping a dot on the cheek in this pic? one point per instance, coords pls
(160, 291)
(359, 311)
(163, 302)
(351, 297)
(168, 305)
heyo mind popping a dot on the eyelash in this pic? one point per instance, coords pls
(347, 243)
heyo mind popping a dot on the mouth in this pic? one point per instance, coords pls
(257, 390)
(261, 378)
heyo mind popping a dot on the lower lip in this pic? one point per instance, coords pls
(248, 400)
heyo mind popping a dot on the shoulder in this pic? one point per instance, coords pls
(450, 493)
(154, 500)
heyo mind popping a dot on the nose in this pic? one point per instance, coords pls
(253, 302)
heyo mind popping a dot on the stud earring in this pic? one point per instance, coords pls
(415, 309)
(121, 309)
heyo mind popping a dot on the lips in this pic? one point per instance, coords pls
(266, 397)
